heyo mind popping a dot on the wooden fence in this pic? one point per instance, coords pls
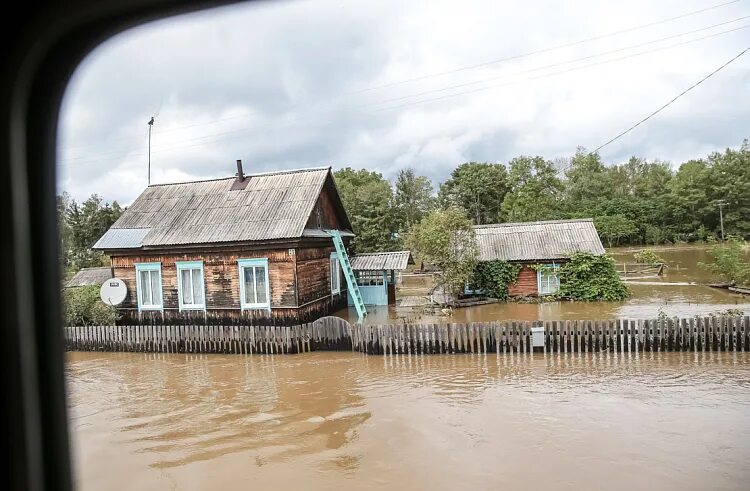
(716, 333)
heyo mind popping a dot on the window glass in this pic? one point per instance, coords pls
(197, 284)
(260, 283)
(145, 288)
(249, 285)
(187, 295)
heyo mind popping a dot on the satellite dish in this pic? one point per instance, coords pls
(113, 291)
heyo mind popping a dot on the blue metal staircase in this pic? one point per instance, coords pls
(351, 280)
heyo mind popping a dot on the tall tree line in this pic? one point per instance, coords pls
(634, 202)
(80, 226)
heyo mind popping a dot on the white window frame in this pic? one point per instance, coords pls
(335, 285)
(253, 263)
(191, 266)
(140, 267)
(555, 274)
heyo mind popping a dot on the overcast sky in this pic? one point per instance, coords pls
(390, 84)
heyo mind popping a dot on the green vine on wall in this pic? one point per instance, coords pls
(493, 277)
(590, 277)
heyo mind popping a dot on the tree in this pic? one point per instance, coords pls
(368, 200)
(81, 226)
(729, 180)
(413, 198)
(613, 228)
(445, 239)
(588, 182)
(535, 190)
(478, 188)
(689, 204)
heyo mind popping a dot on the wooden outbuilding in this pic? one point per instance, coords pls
(376, 275)
(255, 244)
(540, 248)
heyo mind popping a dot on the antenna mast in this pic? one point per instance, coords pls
(150, 125)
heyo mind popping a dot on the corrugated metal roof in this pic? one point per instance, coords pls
(90, 276)
(274, 205)
(122, 238)
(529, 241)
(380, 261)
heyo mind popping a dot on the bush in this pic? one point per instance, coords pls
(590, 277)
(647, 257)
(728, 260)
(493, 277)
(82, 307)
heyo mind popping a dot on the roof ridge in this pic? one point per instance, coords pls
(538, 222)
(256, 174)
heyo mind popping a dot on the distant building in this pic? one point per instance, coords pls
(253, 244)
(548, 243)
(376, 275)
(90, 277)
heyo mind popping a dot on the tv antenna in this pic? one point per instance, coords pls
(150, 125)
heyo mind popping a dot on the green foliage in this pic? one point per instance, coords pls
(82, 307)
(368, 200)
(535, 190)
(729, 260)
(478, 188)
(647, 257)
(590, 277)
(614, 228)
(445, 239)
(80, 226)
(413, 198)
(493, 277)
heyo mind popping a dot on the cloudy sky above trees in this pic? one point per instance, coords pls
(387, 85)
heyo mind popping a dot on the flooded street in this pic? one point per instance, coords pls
(646, 300)
(334, 420)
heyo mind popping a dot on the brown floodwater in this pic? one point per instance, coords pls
(324, 421)
(646, 300)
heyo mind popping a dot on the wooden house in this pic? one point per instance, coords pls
(548, 244)
(376, 275)
(255, 244)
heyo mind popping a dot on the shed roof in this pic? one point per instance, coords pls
(90, 276)
(530, 241)
(380, 261)
(273, 205)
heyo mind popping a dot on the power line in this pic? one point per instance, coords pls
(602, 53)
(559, 72)
(545, 50)
(207, 139)
(465, 68)
(671, 101)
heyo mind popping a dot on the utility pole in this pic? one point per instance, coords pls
(721, 203)
(150, 125)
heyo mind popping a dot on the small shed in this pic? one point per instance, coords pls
(532, 244)
(376, 275)
(90, 277)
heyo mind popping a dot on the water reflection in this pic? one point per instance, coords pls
(330, 420)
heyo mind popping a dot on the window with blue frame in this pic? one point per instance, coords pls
(190, 291)
(254, 288)
(148, 286)
(548, 279)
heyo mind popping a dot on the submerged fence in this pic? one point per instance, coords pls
(716, 333)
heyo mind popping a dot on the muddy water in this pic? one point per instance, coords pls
(349, 421)
(646, 301)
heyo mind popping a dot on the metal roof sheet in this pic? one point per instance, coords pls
(529, 241)
(274, 205)
(380, 261)
(90, 276)
(122, 238)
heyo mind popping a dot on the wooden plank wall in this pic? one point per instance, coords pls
(721, 333)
